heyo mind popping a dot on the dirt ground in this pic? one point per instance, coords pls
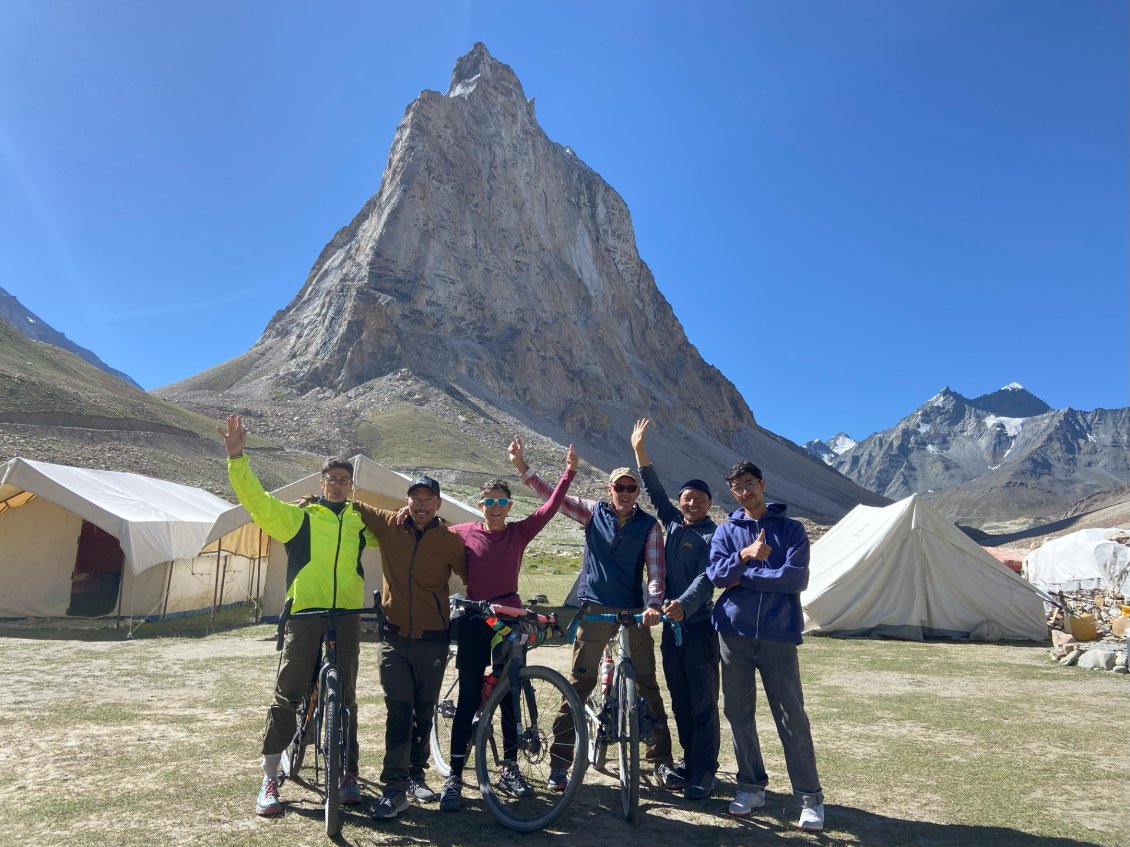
(154, 741)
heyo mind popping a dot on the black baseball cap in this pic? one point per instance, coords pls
(425, 481)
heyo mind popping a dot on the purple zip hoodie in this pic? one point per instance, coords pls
(765, 602)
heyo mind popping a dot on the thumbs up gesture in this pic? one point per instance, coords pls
(758, 550)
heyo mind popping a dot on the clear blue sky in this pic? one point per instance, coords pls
(849, 204)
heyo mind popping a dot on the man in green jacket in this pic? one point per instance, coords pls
(324, 540)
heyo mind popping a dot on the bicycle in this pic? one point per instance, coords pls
(537, 697)
(616, 713)
(322, 716)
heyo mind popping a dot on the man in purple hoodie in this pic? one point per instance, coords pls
(760, 557)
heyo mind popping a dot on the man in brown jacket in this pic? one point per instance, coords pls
(418, 557)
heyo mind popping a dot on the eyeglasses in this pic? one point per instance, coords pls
(621, 489)
(746, 488)
(495, 501)
(337, 480)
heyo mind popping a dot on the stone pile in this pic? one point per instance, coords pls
(1110, 614)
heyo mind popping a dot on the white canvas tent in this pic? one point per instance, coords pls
(1085, 559)
(904, 571)
(375, 484)
(88, 542)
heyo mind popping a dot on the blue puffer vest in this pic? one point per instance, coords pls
(614, 558)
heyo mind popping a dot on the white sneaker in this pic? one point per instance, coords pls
(745, 802)
(811, 819)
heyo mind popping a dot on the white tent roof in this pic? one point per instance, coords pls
(373, 483)
(905, 571)
(154, 521)
(1083, 559)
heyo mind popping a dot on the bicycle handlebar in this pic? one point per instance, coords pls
(627, 618)
(485, 607)
(287, 614)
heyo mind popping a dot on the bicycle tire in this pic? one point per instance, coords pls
(295, 752)
(332, 738)
(443, 717)
(628, 730)
(544, 692)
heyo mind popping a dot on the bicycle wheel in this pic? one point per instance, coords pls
(331, 749)
(295, 752)
(546, 700)
(597, 746)
(444, 716)
(628, 730)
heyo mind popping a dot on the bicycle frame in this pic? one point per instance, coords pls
(324, 709)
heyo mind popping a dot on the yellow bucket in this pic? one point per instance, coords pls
(1082, 626)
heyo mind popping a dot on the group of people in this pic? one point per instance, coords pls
(667, 565)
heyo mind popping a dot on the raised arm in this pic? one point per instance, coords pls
(532, 525)
(278, 519)
(572, 507)
(664, 508)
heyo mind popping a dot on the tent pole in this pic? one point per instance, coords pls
(215, 591)
(168, 588)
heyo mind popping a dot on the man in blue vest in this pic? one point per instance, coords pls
(622, 544)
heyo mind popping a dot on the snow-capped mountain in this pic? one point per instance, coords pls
(997, 457)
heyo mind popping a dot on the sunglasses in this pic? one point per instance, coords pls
(337, 480)
(621, 489)
(495, 501)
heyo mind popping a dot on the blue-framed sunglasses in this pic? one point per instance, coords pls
(495, 501)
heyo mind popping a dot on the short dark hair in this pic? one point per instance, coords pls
(494, 485)
(337, 462)
(743, 467)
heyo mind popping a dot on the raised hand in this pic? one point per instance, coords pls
(639, 431)
(571, 459)
(235, 438)
(517, 455)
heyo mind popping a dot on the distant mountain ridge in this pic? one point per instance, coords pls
(995, 458)
(32, 326)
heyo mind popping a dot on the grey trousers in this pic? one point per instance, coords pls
(742, 659)
(411, 674)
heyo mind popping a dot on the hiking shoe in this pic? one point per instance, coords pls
(557, 781)
(669, 778)
(350, 792)
(700, 788)
(451, 797)
(811, 818)
(418, 790)
(512, 780)
(745, 802)
(391, 804)
(267, 803)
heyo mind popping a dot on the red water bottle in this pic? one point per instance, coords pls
(606, 672)
(489, 682)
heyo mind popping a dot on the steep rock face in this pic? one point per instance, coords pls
(493, 259)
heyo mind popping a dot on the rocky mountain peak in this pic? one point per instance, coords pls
(1012, 401)
(492, 263)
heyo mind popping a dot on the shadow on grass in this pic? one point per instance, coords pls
(664, 821)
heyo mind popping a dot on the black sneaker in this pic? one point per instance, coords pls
(557, 781)
(419, 791)
(451, 797)
(700, 787)
(669, 778)
(512, 780)
(391, 804)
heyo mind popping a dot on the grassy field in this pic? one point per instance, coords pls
(153, 740)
